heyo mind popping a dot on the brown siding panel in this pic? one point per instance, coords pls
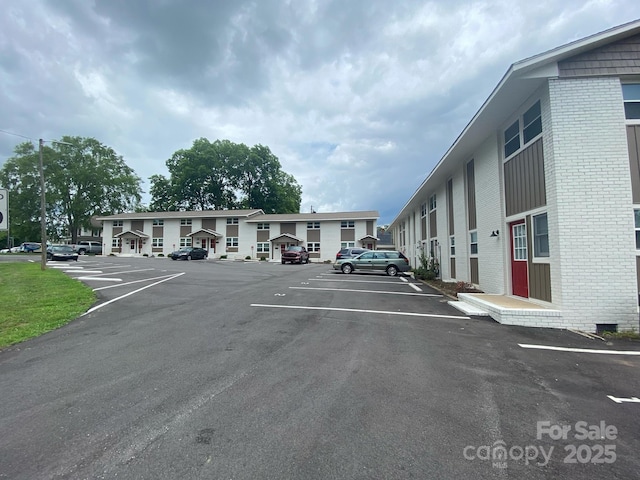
(185, 230)
(433, 225)
(158, 232)
(638, 273)
(313, 235)
(209, 223)
(137, 225)
(347, 235)
(370, 228)
(262, 236)
(450, 206)
(471, 195)
(524, 183)
(475, 274)
(289, 228)
(452, 263)
(540, 281)
(620, 58)
(423, 227)
(232, 231)
(116, 230)
(633, 140)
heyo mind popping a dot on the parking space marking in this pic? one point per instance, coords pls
(415, 287)
(624, 400)
(131, 293)
(100, 279)
(580, 350)
(352, 281)
(356, 310)
(118, 273)
(366, 291)
(126, 283)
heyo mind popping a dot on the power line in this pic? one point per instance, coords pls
(16, 134)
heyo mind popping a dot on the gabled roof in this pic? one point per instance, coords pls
(206, 231)
(181, 214)
(128, 233)
(315, 217)
(368, 237)
(286, 235)
(520, 81)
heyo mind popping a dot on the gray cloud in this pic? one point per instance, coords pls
(358, 99)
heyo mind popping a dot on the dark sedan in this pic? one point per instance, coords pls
(61, 252)
(189, 253)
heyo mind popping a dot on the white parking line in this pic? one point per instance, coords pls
(366, 291)
(580, 350)
(127, 283)
(353, 281)
(356, 310)
(130, 293)
(120, 273)
(100, 279)
(623, 399)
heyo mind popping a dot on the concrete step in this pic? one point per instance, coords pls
(468, 309)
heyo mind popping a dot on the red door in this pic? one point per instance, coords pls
(519, 258)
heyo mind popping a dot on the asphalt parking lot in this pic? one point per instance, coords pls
(222, 369)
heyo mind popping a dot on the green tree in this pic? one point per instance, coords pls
(224, 174)
(83, 179)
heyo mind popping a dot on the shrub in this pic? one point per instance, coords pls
(145, 254)
(263, 259)
(248, 257)
(161, 254)
(223, 257)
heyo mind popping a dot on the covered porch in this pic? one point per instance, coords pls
(281, 242)
(205, 238)
(130, 242)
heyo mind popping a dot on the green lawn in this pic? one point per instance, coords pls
(33, 301)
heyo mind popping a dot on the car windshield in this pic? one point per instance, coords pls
(186, 249)
(295, 249)
(62, 249)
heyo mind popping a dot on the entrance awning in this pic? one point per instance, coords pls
(205, 232)
(285, 237)
(131, 234)
(369, 238)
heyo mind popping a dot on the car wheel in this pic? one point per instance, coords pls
(283, 262)
(392, 270)
(173, 258)
(81, 251)
(347, 268)
(188, 257)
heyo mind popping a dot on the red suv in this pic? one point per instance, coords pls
(295, 254)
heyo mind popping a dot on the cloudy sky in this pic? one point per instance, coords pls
(359, 99)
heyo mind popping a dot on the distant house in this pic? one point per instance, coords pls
(238, 233)
(538, 199)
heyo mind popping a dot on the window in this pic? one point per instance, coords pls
(185, 241)
(158, 222)
(452, 246)
(232, 241)
(347, 244)
(519, 242)
(637, 220)
(262, 247)
(631, 97)
(540, 236)
(313, 225)
(115, 243)
(432, 202)
(531, 128)
(512, 139)
(185, 221)
(313, 247)
(532, 123)
(232, 221)
(347, 224)
(117, 223)
(473, 242)
(423, 210)
(157, 242)
(263, 226)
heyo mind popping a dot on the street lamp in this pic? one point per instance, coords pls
(43, 206)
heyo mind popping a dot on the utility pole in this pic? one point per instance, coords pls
(43, 214)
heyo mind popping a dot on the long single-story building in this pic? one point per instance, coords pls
(537, 202)
(238, 233)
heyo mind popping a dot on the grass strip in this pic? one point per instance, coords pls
(33, 302)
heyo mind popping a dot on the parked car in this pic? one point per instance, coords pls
(387, 261)
(86, 246)
(295, 254)
(189, 253)
(61, 252)
(350, 252)
(30, 247)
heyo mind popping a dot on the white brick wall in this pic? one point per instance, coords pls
(491, 250)
(590, 205)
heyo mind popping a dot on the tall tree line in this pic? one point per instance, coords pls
(222, 174)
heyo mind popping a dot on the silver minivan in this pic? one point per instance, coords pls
(389, 261)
